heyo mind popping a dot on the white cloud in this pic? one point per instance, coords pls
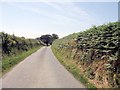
(65, 16)
(70, 11)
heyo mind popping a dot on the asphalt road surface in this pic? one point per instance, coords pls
(40, 70)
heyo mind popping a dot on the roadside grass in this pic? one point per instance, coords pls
(73, 68)
(9, 62)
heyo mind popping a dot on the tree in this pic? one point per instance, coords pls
(55, 36)
(48, 39)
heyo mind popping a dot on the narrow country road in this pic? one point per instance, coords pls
(40, 70)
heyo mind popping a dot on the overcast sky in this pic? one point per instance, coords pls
(33, 19)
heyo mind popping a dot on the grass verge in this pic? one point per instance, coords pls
(73, 68)
(10, 61)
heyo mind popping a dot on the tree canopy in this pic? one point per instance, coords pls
(48, 39)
